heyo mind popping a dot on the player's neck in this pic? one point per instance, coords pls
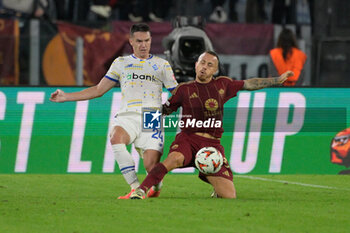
(142, 57)
(204, 81)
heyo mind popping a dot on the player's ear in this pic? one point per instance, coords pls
(216, 71)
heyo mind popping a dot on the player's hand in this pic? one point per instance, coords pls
(281, 79)
(58, 96)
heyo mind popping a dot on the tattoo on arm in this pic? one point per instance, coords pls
(259, 83)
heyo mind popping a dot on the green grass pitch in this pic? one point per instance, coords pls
(87, 203)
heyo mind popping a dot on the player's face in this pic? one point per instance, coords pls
(141, 44)
(206, 67)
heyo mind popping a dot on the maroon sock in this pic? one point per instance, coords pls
(154, 177)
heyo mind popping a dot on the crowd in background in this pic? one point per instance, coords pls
(219, 11)
(93, 12)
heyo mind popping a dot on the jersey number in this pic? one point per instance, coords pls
(157, 134)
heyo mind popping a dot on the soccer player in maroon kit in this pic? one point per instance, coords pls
(202, 100)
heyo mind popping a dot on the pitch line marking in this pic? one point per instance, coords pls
(291, 182)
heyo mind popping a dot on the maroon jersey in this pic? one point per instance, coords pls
(203, 104)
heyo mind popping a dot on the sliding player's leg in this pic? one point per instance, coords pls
(150, 159)
(222, 181)
(223, 187)
(180, 155)
(174, 160)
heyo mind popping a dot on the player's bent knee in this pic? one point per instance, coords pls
(174, 160)
(114, 140)
(223, 187)
(178, 159)
(119, 136)
(226, 193)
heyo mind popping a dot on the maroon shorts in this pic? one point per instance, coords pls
(189, 144)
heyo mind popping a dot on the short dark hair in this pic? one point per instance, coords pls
(139, 27)
(211, 52)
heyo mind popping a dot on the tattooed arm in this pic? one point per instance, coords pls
(259, 83)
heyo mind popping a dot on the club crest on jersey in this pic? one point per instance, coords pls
(211, 104)
(155, 67)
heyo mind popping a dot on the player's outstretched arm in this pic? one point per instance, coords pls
(259, 83)
(89, 93)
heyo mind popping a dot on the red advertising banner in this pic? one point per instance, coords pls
(100, 49)
(241, 39)
(9, 49)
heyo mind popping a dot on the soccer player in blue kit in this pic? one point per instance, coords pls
(141, 76)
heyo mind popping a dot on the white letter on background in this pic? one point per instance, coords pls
(236, 162)
(283, 128)
(2, 108)
(2, 105)
(29, 99)
(75, 164)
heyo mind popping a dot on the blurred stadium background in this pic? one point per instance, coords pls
(45, 44)
(241, 31)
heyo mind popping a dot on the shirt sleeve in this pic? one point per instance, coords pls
(169, 80)
(114, 70)
(233, 86)
(174, 102)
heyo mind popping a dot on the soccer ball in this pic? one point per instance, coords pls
(208, 160)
